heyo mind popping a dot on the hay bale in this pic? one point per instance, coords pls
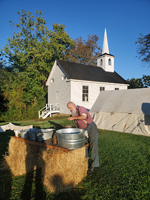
(22, 157)
(60, 170)
(63, 171)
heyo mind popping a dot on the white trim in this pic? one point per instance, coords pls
(98, 82)
(50, 75)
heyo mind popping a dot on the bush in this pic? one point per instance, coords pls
(22, 114)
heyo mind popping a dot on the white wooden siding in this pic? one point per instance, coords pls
(94, 90)
(59, 90)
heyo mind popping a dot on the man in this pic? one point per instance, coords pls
(84, 121)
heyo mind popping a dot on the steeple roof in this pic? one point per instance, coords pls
(105, 44)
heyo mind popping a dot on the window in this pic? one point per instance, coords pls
(63, 77)
(116, 88)
(101, 62)
(85, 93)
(109, 61)
(102, 89)
(52, 80)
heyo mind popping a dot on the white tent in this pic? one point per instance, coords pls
(123, 111)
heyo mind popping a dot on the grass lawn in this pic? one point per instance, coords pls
(124, 171)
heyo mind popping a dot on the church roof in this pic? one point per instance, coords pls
(89, 73)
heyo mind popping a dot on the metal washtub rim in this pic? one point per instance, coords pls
(73, 140)
(68, 131)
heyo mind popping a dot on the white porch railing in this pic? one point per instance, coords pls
(48, 110)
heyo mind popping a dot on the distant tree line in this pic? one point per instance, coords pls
(143, 82)
(27, 59)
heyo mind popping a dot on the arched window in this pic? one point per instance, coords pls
(109, 61)
(101, 62)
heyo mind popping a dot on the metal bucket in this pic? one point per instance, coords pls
(70, 138)
(32, 134)
(24, 133)
(44, 134)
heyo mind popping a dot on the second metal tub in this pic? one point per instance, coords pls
(70, 138)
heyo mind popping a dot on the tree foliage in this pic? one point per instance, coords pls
(143, 48)
(135, 83)
(28, 57)
(146, 81)
(84, 52)
(34, 48)
(143, 82)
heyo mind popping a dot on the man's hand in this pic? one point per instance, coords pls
(81, 117)
(70, 118)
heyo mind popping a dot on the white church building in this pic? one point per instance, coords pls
(81, 83)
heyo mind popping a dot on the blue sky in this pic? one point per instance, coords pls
(124, 20)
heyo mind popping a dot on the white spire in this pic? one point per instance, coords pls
(105, 44)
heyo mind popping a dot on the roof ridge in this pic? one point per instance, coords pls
(75, 63)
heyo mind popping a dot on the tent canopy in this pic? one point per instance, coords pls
(123, 101)
(123, 111)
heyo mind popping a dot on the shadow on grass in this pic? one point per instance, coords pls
(5, 181)
(5, 174)
(74, 194)
(33, 178)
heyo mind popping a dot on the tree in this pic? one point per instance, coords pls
(143, 82)
(135, 83)
(12, 87)
(143, 48)
(30, 54)
(146, 81)
(84, 52)
(34, 48)
(3, 102)
(60, 42)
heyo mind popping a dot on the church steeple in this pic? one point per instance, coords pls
(106, 60)
(105, 44)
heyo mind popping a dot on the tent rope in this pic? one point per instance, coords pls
(107, 122)
(126, 124)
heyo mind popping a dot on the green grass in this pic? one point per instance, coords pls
(124, 171)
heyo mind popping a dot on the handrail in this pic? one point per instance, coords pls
(49, 108)
(42, 108)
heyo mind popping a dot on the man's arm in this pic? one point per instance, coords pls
(81, 117)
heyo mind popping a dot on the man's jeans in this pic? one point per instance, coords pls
(93, 141)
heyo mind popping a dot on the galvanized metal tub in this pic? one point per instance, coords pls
(32, 134)
(24, 133)
(70, 138)
(44, 134)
